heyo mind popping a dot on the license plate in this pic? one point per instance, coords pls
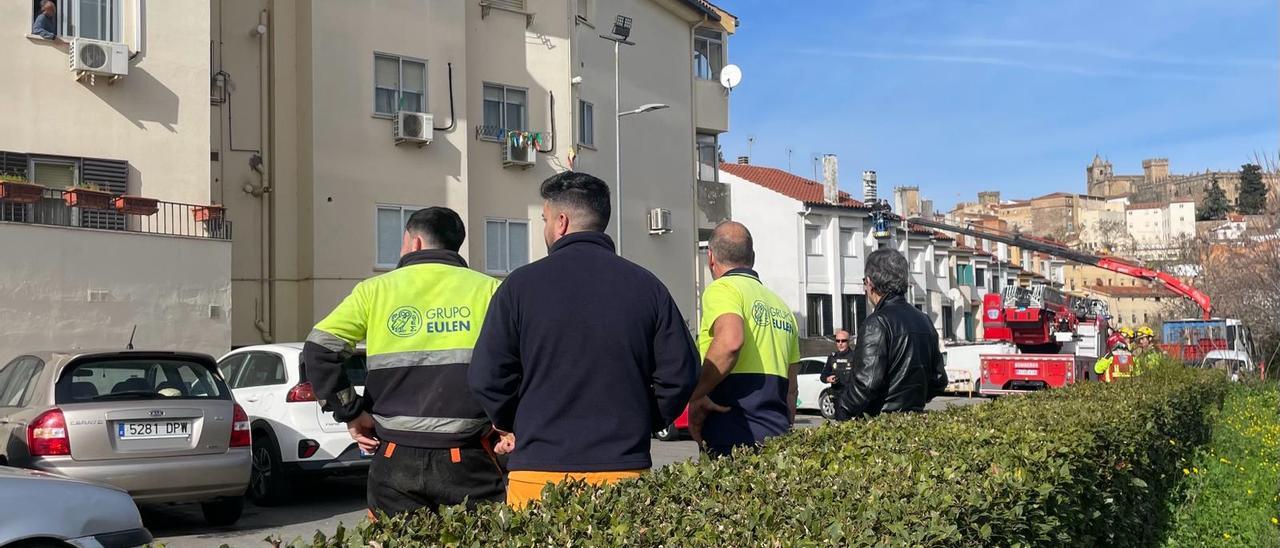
(153, 429)
(1027, 372)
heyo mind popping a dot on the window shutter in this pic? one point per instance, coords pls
(513, 5)
(111, 176)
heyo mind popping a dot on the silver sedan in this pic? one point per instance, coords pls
(42, 509)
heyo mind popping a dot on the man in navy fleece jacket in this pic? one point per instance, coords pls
(583, 354)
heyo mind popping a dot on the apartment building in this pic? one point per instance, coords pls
(105, 202)
(335, 121)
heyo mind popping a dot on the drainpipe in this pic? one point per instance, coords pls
(266, 322)
(697, 171)
(804, 264)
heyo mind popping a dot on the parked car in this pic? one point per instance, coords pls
(160, 425)
(45, 510)
(292, 435)
(814, 395)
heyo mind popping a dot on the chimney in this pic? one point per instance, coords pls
(744, 160)
(830, 182)
(869, 187)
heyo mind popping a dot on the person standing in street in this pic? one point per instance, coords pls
(750, 352)
(431, 440)
(584, 354)
(838, 362)
(897, 365)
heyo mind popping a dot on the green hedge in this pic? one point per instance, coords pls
(1089, 465)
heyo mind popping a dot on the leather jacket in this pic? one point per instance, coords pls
(897, 365)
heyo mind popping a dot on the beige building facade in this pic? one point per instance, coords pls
(1157, 184)
(128, 114)
(307, 97)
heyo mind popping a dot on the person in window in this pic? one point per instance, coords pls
(46, 24)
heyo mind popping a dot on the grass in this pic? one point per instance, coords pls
(1232, 485)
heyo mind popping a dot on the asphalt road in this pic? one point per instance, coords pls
(323, 504)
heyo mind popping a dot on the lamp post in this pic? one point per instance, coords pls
(621, 31)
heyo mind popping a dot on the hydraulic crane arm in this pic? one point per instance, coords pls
(1168, 281)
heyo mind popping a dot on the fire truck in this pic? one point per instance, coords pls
(1060, 336)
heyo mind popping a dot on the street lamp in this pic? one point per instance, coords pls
(621, 31)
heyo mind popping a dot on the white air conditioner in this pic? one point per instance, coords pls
(522, 154)
(659, 221)
(413, 127)
(98, 58)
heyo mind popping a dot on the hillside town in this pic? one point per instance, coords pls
(258, 249)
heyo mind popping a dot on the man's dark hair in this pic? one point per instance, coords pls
(583, 193)
(887, 270)
(441, 227)
(732, 245)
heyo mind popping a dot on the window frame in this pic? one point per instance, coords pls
(506, 223)
(817, 249)
(27, 390)
(825, 325)
(244, 366)
(68, 28)
(702, 141)
(399, 90)
(405, 212)
(74, 163)
(226, 361)
(586, 124)
(524, 112)
(849, 247)
(713, 73)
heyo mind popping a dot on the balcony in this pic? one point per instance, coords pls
(712, 106)
(53, 207)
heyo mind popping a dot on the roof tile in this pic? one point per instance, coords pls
(787, 184)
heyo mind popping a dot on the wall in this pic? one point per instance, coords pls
(156, 118)
(774, 222)
(164, 285)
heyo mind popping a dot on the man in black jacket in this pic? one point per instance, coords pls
(897, 365)
(583, 354)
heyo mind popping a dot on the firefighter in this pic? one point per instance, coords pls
(431, 443)
(1118, 362)
(1146, 353)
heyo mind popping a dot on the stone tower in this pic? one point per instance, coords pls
(1097, 175)
(1155, 170)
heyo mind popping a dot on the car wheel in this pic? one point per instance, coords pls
(222, 512)
(670, 433)
(267, 479)
(827, 404)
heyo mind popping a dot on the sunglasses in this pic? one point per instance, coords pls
(842, 340)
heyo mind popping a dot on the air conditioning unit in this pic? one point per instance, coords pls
(659, 221)
(521, 154)
(413, 127)
(98, 58)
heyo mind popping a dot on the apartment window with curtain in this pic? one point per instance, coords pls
(964, 274)
(708, 157)
(586, 124)
(390, 233)
(708, 53)
(399, 83)
(505, 108)
(819, 309)
(506, 245)
(812, 240)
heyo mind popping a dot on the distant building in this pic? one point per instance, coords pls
(1156, 184)
(1156, 229)
(906, 201)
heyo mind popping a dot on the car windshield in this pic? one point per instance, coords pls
(135, 379)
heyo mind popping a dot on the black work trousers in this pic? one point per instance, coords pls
(404, 479)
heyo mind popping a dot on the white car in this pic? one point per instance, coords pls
(814, 395)
(291, 435)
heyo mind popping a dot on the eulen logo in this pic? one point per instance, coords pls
(404, 322)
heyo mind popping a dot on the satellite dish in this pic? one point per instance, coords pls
(730, 76)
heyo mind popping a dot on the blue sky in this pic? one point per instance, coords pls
(1010, 95)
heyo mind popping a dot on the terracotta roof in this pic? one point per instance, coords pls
(1132, 292)
(789, 185)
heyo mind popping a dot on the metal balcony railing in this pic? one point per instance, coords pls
(144, 216)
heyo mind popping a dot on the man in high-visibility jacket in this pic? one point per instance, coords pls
(1146, 354)
(1117, 363)
(430, 440)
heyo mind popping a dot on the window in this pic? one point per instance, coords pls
(506, 245)
(848, 242)
(17, 381)
(812, 240)
(819, 315)
(399, 83)
(947, 329)
(708, 53)
(95, 19)
(261, 369)
(964, 274)
(917, 265)
(585, 10)
(505, 108)
(853, 309)
(391, 221)
(230, 367)
(708, 157)
(138, 379)
(811, 367)
(980, 277)
(55, 173)
(586, 124)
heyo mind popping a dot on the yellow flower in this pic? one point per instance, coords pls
(1275, 521)
(1226, 536)
(1185, 471)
